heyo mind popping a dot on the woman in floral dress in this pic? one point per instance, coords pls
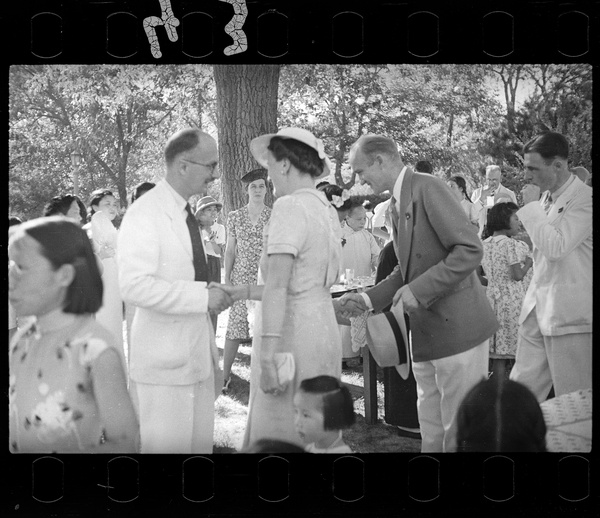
(507, 265)
(67, 385)
(242, 255)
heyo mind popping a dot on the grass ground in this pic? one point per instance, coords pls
(231, 410)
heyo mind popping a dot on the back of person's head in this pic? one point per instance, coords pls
(59, 205)
(302, 156)
(372, 145)
(423, 166)
(337, 196)
(272, 446)
(462, 185)
(548, 145)
(338, 408)
(499, 415)
(62, 242)
(140, 189)
(498, 217)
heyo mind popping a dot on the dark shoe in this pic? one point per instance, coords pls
(226, 385)
(407, 433)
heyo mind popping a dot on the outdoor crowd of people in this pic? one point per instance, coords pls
(489, 290)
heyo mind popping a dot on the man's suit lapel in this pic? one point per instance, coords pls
(405, 223)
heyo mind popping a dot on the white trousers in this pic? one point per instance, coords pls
(175, 418)
(542, 361)
(441, 386)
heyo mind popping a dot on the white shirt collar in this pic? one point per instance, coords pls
(398, 187)
(180, 201)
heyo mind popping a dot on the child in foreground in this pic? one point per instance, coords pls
(67, 386)
(322, 409)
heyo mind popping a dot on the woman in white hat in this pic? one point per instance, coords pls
(300, 262)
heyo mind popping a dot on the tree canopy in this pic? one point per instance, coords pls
(459, 117)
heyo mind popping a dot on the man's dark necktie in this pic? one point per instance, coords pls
(547, 204)
(200, 268)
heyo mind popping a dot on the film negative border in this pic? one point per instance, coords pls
(215, 31)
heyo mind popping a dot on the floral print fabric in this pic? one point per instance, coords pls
(505, 294)
(52, 407)
(249, 246)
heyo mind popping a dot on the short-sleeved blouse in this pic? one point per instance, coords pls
(52, 406)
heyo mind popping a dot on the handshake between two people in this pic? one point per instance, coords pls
(353, 304)
(222, 296)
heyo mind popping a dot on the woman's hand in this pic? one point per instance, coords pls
(269, 381)
(239, 292)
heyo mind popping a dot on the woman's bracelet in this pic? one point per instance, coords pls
(271, 335)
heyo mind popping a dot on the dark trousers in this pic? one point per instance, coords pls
(400, 396)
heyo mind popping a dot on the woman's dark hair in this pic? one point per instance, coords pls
(498, 218)
(338, 409)
(273, 446)
(96, 197)
(499, 415)
(332, 190)
(61, 205)
(64, 242)
(14, 220)
(462, 185)
(141, 188)
(302, 156)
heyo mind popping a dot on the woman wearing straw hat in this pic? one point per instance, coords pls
(242, 255)
(207, 209)
(300, 262)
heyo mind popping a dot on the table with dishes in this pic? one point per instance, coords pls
(356, 285)
(569, 422)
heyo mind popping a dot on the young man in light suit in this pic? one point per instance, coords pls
(450, 317)
(173, 355)
(555, 333)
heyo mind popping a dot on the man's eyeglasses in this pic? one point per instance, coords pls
(211, 166)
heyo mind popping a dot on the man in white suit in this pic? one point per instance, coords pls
(555, 332)
(486, 196)
(173, 354)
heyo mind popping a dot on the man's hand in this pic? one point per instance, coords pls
(409, 301)
(218, 300)
(352, 305)
(530, 193)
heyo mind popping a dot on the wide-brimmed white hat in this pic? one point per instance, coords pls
(387, 340)
(258, 146)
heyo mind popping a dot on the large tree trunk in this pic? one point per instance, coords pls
(246, 108)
